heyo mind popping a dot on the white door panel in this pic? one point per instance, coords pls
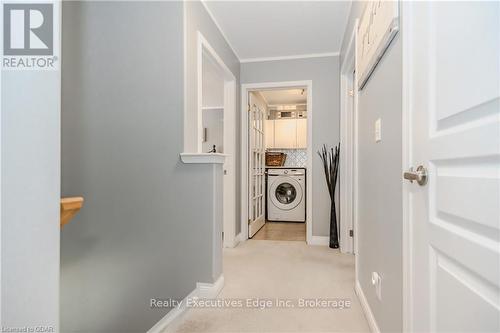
(302, 133)
(467, 56)
(285, 133)
(269, 132)
(454, 131)
(257, 196)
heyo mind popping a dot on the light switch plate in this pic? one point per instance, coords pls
(378, 130)
(377, 283)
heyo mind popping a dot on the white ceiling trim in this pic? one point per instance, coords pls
(218, 27)
(298, 56)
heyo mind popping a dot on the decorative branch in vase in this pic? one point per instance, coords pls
(330, 158)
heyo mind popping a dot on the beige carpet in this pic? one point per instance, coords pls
(281, 270)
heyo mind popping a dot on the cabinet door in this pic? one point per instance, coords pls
(269, 133)
(285, 133)
(301, 133)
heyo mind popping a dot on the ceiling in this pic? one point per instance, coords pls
(267, 29)
(288, 96)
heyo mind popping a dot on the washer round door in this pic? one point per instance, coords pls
(285, 192)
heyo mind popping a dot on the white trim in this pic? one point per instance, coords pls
(203, 158)
(230, 108)
(229, 177)
(206, 108)
(348, 110)
(407, 255)
(319, 240)
(187, 131)
(1, 183)
(239, 238)
(204, 48)
(173, 314)
(355, 161)
(291, 57)
(235, 241)
(219, 27)
(245, 88)
(370, 318)
(202, 290)
(350, 52)
(199, 91)
(210, 290)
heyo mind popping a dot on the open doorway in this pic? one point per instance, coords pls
(217, 130)
(348, 153)
(276, 161)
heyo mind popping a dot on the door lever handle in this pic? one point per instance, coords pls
(419, 175)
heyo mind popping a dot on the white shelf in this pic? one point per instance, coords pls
(203, 158)
(212, 108)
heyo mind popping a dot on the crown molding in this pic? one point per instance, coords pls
(203, 2)
(292, 57)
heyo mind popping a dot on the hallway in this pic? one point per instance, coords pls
(276, 270)
(282, 231)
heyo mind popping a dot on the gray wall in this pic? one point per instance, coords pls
(213, 96)
(137, 236)
(213, 123)
(198, 19)
(30, 178)
(213, 84)
(324, 73)
(380, 185)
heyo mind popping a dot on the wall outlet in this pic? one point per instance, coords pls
(378, 130)
(377, 283)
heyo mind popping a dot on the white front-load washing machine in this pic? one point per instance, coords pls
(286, 195)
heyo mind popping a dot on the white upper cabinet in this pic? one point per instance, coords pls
(301, 133)
(286, 133)
(269, 133)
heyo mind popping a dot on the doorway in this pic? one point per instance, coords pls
(276, 196)
(348, 152)
(216, 127)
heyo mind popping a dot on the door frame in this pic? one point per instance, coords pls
(349, 147)
(204, 49)
(407, 236)
(245, 89)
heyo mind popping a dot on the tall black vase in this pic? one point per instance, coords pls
(334, 236)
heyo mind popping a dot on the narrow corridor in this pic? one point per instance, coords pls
(282, 271)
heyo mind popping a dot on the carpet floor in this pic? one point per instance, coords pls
(281, 286)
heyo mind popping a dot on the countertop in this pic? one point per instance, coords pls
(284, 167)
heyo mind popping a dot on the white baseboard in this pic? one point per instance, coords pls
(236, 240)
(370, 318)
(172, 314)
(203, 290)
(240, 237)
(319, 240)
(210, 290)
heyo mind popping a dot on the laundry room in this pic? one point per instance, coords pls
(278, 156)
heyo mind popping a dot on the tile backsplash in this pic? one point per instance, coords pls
(294, 157)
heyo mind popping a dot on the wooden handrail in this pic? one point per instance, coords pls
(69, 207)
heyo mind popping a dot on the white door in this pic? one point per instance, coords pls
(256, 209)
(454, 219)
